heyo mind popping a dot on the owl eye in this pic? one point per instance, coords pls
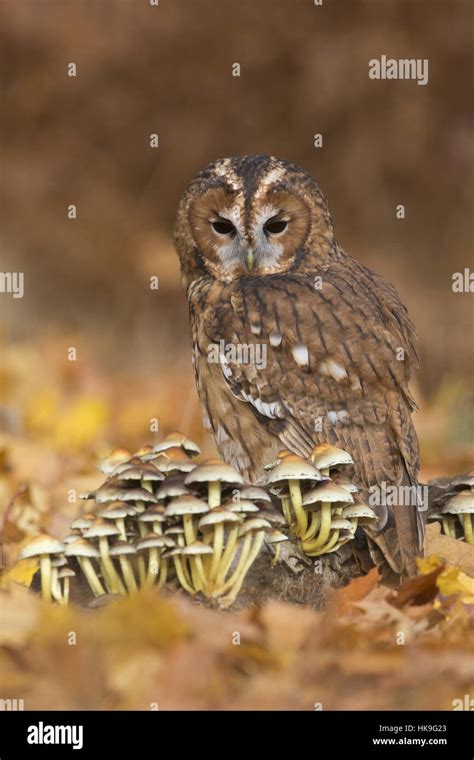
(274, 227)
(223, 227)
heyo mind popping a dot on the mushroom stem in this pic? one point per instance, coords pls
(301, 517)
(153, 564)
(163, 573)
(276, 556)
(448, 527)
(46, 580)
(324, 529)
(120, 523)
(140, 560)
(147, 485)
(467, 527)
(65, 590)
(181, 576)
(257, 545)
(218, 546)
(128, 575)
(110, 573)
(313, 525)
(326, 548)
(228, 555)
(91, 576)
(190, 536)
(55, 585)
(214, 493)
(245, 550)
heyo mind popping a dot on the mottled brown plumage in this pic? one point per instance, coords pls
(262, 269)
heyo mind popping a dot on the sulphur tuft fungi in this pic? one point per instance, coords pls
(102, 530)
(64, 577)
(461, 506)
(253, 532)
(177, 440)
(294, 471)
(274, 539)
(85, 551)
(124, 551)
(213, 474)
(44, 547)
(321, 500)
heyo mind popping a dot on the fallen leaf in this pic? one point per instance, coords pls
(343, 599)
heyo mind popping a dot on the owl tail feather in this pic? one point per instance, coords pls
(401, 540)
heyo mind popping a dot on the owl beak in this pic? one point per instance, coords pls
(249, 259)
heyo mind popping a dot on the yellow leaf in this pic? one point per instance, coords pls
(22, 572)
(426, 565)
(454, 582)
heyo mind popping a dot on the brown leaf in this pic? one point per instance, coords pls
(418, 590)
(344, 598)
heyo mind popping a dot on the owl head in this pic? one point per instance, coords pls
(251, 216)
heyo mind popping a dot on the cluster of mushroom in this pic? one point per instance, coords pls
(317, 501)
(455, 509)
(160, 516)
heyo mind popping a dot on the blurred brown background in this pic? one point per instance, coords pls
(168, 69)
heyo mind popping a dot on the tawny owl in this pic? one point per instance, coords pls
(295, 343)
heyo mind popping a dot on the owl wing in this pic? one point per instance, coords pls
(335, 360)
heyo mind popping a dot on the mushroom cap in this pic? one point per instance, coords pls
(41, 544)
(83, 522)
(173, 460)
(82, 548)
(186, 505)
(243, 505)
(174, 530)
(113, 511)
(344, 482)
(110, 462)
(136, 494)
(275, 537)
(327, 491)
(171, 487)
(218, 516)
(66, 572)
(145, 471)
(133, 462)
(214, 470)
(281, 455)
(463, 480)
(197, 547)
(254, 493)
(326, 455)
(175, 552)
(99, 528)
(154, 513)
(121, 547)
(293, 467)
(272, 515)
(72, 536)
(177, 439)
(151, 541)
(59, 561)
(109, 491)
(143, 451)
(170, 542)
(340, 523)
(461, 504)
(254, 524)
(359, 510)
